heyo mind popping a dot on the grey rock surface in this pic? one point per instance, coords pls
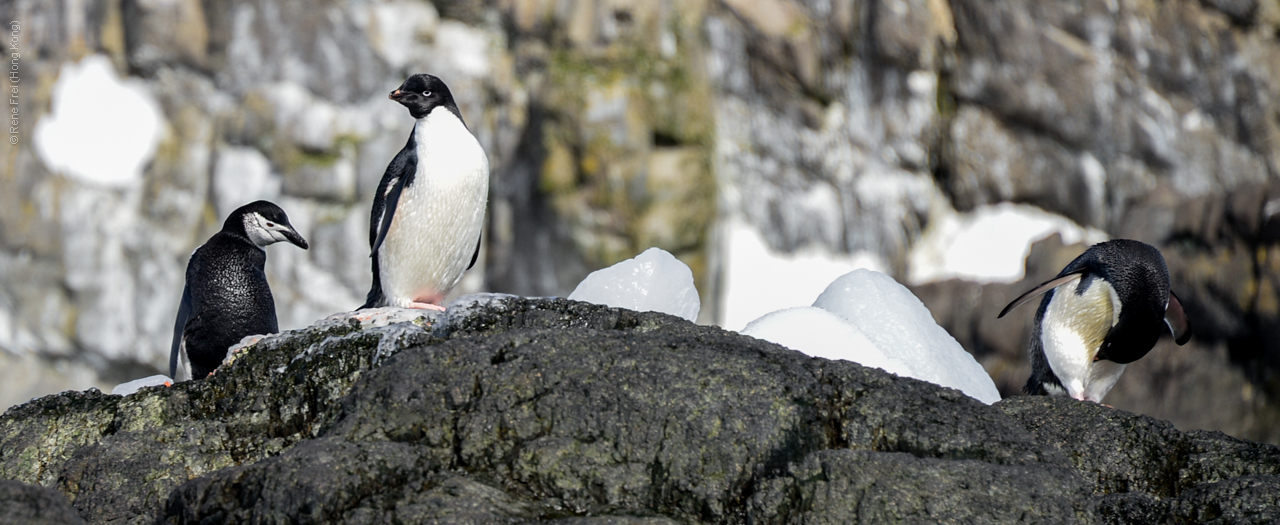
(842, 128)
(35, 505)
(514, 410)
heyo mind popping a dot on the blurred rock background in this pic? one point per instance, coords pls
(772, 145)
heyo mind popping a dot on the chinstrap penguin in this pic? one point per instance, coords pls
(1103, 311)
(424, 229)
(226, 296)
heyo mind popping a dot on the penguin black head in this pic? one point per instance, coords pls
(1136, 270)
(1140, 278)
(263, 223)
(422, 93)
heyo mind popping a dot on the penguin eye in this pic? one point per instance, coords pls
(426, 94)
(271, 224)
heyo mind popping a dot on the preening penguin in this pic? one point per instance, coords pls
(424, 230)
(1103, 311)
(226, 296)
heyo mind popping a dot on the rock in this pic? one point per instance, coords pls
(833, 486)
(609, 162)
(1148, 469)
(256, 42)
(165, 436)
(512, 410)
(844, 129)
(824, 132)
(991, 163)
(34, 505)
(164, 33)
(69, 422)
(1247, 499)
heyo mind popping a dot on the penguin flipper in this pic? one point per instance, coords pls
(179, 325)
(399, 174)
(389, 211)
(1055, 282)
(403, 165)
(205, 344)
(1176, 319)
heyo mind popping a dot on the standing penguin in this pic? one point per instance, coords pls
(226, 296)
(1103, 311)
(424, 230)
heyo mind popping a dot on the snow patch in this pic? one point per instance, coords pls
(989, 244)
(101, 129)
(124, 389)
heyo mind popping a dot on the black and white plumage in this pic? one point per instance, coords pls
(424, 229)
(1103, 311)
(226, 296)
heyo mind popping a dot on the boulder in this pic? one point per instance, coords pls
(34, 505)
(514, 410)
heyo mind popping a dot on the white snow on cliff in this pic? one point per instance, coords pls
(102, 129)
(989, 244)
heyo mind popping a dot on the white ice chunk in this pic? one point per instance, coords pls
(820, 333)
(989, 244)
(124, 389)
(653, 281)
(102, 129)
(897, 322)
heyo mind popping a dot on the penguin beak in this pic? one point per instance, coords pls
(396, 95)
(293, 237)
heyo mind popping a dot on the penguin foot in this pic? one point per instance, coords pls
(426, 306)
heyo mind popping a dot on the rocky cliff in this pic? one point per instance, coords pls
(845, 129)
(511, 410)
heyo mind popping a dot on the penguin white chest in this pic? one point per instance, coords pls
(1073, 329)
(439, 217)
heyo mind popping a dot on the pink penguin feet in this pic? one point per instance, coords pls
(426, 306)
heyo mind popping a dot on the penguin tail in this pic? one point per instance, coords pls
(1034, 387)
(375, 298)
(372, 300)
(1042, 382)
